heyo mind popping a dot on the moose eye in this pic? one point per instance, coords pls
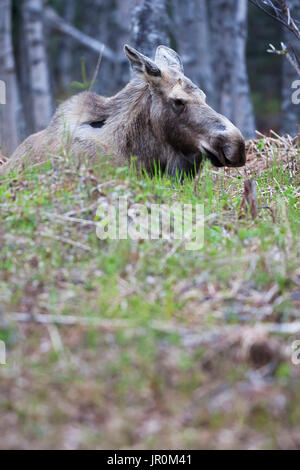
(178, 104)
(97, 124)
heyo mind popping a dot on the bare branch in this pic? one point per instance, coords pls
(279, 11)
(57, 23)
(167, 327)
(290, 55)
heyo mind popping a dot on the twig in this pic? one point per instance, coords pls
(112, 324)
(66, 218)
(55, 337)
(71, 213)
(281, 13)
(71, 320)
(67, 240)
(290, 56)
(67, 320)
(54, 21)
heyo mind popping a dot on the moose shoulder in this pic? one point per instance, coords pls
(160, 117)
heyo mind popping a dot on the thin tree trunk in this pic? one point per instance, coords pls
(65, 59)
(290, 113)
(221, 16)
(243, 114)
(40, 93)
(9, 112)
(203, 63)
(192, 37)
(122, 20)
(150, 26)
(98, 23)
(228, 22)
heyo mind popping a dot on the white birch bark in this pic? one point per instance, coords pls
(228, 23)
(9, 112)
(40, 93)
(243, 114)
(150, 26)
(191, 30)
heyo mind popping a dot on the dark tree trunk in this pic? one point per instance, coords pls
(98, 23)
(150, 26)
(122, 20)
(65, 59)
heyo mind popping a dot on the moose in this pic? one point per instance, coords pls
(161, 118)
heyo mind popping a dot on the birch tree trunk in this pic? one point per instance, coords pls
(221, 25)
(9, 112)
(150, 26)
(191, 31)
(228, 23)
(40, 94)
(290, 113)
(243, 114)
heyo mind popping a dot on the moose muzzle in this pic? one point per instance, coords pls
(224, 144)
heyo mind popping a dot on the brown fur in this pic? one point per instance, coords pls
(160, 116)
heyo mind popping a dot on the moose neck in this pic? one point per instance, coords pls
(131, 120)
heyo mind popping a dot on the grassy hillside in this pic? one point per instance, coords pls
(152, 346)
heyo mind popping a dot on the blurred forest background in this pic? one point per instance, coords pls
(50, 50)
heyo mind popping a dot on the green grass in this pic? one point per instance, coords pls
(172, 361)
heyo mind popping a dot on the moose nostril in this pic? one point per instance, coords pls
(235, 153)
(242, 151)
(242, 147)
(227, 151)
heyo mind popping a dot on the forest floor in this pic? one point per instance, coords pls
(152, 346)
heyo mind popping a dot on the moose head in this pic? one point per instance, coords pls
(180, 116)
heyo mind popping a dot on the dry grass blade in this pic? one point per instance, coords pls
(270, 150)
(66, 240)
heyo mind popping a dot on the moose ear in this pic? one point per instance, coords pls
(166, 57)
(140, 63)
